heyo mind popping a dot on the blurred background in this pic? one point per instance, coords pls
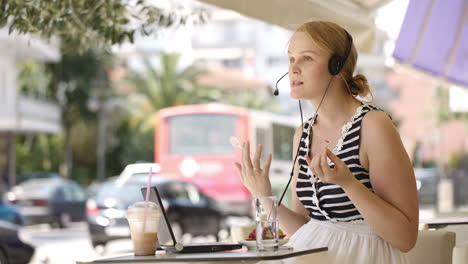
(95, 93)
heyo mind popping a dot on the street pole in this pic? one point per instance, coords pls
(11, 159)
(101, 147)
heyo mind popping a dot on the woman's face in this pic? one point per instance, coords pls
(308, 67)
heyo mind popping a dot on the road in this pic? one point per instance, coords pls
(65, 246)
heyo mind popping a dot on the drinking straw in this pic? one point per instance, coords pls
(147, 197)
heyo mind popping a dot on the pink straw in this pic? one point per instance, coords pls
(147, 197)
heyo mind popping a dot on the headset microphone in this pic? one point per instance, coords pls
(335, 65)
(276, 92)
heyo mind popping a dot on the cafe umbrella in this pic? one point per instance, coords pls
(434, 40)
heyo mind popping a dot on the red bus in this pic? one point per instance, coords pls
(193, 143)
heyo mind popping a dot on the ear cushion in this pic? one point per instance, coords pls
(335, 64)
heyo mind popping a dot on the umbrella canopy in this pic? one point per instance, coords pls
(357, 16)
(434, 39)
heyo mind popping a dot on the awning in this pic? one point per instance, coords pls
(357, 16)
(434, 39)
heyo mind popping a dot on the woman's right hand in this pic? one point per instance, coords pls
(253, 176)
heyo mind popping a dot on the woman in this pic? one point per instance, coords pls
(354, 189)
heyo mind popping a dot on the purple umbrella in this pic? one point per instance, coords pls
(434, 39)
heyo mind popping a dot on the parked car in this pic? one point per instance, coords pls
(10, 213)
(12, 249)
(427, 182)
(36, 175)
(57, 201)
(189, 210)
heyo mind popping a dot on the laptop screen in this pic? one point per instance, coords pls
(166, 236)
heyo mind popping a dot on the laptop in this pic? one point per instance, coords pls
(167, 240)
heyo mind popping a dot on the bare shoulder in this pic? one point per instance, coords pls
(378, 123)
(377, 133)
(377, 128)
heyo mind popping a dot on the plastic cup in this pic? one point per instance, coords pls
(144, 233)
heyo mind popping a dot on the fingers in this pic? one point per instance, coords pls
(240, 169)
(258, 154)
(238, 165)
(324, 162)
(267, 165)
(333, 157)
(246, 159)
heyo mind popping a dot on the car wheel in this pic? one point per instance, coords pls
(64, 220)
(3, 259)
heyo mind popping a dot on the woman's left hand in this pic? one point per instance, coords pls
(339, 174)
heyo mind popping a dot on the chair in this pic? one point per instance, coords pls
(239, 233)
(433, 247)
(460, 254)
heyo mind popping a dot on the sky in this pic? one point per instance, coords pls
(389, 19)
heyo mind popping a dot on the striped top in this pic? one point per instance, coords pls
(329, 202)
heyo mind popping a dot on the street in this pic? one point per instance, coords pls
(65, 246)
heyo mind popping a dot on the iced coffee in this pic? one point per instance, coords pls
(144, 220)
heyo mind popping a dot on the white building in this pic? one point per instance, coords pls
(231, 41)
(20, 114)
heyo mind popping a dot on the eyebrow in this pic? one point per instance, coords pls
(305, 51)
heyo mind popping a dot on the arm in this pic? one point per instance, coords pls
(392, 211)
(256, 180)
(292, 219)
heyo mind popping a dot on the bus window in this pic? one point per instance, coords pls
(261, 138)
(282, 142)
(201, 134)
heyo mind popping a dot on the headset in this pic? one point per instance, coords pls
(335, 65)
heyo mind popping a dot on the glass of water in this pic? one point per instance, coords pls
(266, 218)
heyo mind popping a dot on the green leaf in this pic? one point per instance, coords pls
(82, 24)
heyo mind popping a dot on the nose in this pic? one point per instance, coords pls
(293, 68)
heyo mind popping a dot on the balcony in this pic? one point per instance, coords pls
(30, 116)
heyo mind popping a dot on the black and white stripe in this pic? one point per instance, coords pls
(333, 203)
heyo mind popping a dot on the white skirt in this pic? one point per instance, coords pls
(347, 242)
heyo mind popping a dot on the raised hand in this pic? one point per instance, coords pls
(339, 174)
(253, 176)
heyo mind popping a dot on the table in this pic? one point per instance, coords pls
(437, 223)
(216, 257)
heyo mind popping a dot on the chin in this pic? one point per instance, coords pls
(294, 95)
(297, 96)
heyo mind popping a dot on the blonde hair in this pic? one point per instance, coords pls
(332, 38)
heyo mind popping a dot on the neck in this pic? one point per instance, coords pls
(337, 107)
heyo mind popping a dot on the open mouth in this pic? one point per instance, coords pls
(297, 83)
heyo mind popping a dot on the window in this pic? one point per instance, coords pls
(282, 142)
(179, 192)
(77, 192)
(201, 134)
(261, 137)
(193, 194)
(67, 193)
